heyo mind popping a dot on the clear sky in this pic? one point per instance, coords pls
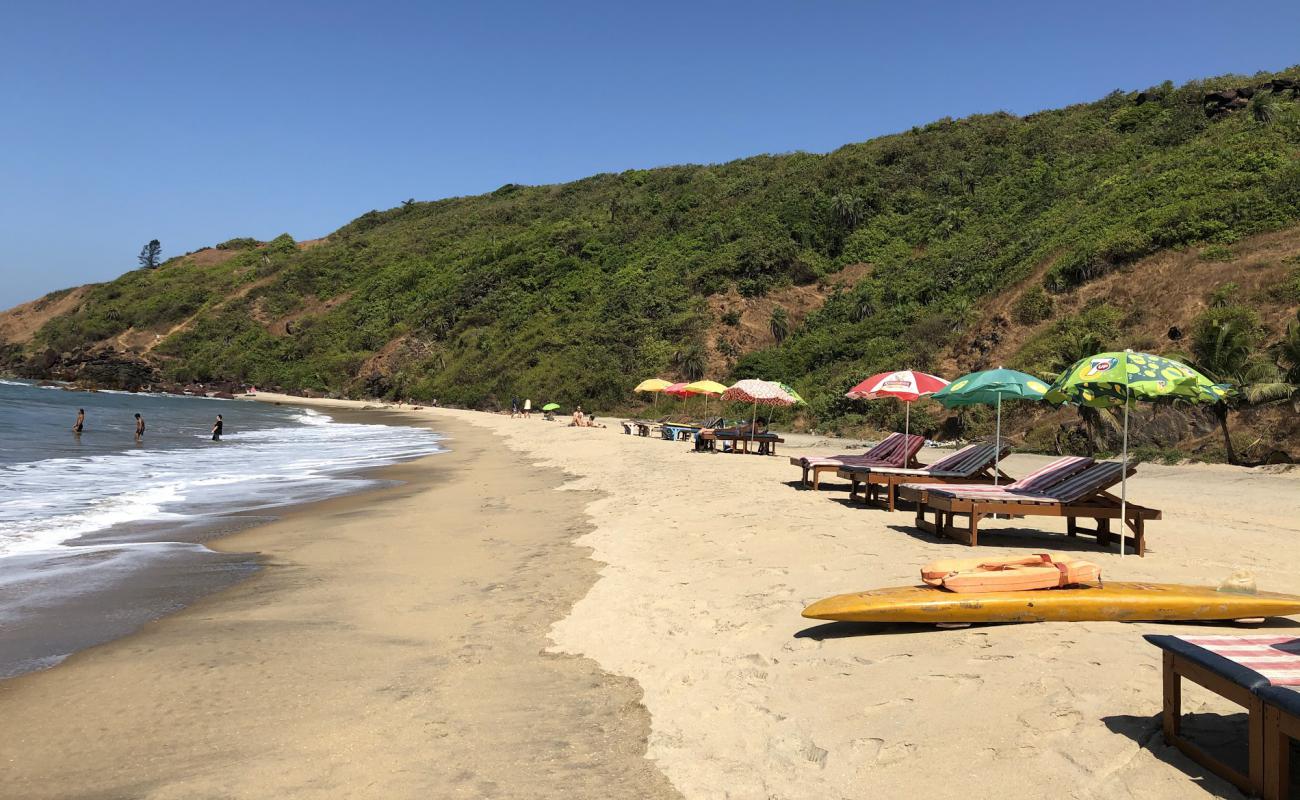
(196, 122)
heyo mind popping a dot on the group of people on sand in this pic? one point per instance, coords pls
(80, 425)
(525, 411)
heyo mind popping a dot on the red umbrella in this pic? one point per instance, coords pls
(905, 385)
(677, 390)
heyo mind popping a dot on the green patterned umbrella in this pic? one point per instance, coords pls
(1111, 379)
(1107, 380)
(988, 388)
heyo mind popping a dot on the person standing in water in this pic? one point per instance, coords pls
(81, 421)
(216, 429)
(139, 427)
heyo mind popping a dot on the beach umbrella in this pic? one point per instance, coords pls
(551, 407)
(758, 393)
(905, 385)
(988, 388)
(655, 385)
(706, 388)
(797, 397)
(1114, 379)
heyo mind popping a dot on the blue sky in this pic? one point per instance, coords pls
(194, 123)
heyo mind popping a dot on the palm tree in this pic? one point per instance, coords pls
(692, 361)
(779, 324)
(847, 210)
(1224, 348)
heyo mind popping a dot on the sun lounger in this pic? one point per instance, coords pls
(971, 464)
(764, 443)
(1259, 673)
(895, 450)
(1062, 489)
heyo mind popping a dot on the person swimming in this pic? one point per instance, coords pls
(139, 427)
(216, 429)
(81, 421)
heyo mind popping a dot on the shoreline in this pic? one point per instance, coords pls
(383, 630)
(106, 583)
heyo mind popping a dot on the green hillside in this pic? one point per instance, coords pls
(577, 291)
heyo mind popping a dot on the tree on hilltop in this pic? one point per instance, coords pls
(151, 254)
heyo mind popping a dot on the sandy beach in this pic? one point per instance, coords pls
(446, 638)
(394, 646)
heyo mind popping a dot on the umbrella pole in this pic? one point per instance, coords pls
(753, 420)
(1123, 481)
(907, 418)
(997, 444)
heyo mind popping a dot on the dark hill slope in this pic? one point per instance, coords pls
(576, 291)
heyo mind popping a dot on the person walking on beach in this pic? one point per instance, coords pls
(528, 407)
(216, 429)
(81, 421)
(139, 427)
(514, 407)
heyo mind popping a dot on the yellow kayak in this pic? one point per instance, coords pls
(1111, 601)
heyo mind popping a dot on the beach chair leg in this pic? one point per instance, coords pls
(974, 532)
(1172, 708)
(923, 524)
(1277, 756)
(1072, 527)
(891, 496)
(817, 479)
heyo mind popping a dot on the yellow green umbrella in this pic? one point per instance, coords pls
(1118, 379)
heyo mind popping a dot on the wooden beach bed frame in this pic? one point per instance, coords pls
(740, 441)
(1066, 491)
(971, 464)
(1273, 713)
(895, 450)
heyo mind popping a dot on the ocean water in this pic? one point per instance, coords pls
(100, 533)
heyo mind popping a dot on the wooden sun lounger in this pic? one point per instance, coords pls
(741, 441)
(893, 451)
(971, 464)
(1272, 711)
(1069, 492)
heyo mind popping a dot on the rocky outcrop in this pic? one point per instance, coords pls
(1223, 101)
(96, 368)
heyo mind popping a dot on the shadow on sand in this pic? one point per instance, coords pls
(1221, 735)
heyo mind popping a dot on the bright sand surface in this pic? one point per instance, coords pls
(365, 663)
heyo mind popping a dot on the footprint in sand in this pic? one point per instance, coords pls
(887, 705)
(1050, 720)
(876, 752)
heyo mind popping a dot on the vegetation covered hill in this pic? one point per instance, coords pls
(813, 269)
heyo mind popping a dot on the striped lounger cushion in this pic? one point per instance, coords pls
(1277, 658)
(1034, 484)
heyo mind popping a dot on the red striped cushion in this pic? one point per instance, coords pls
(1277, 658)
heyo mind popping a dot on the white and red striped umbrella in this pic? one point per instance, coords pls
(763, 393)
(905, 385)
(759, 393)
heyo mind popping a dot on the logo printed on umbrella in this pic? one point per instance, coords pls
(1099, 365)
(895, 383)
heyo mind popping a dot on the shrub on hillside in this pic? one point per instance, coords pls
(1034, 306)
(239, 243)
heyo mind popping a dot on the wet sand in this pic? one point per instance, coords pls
(394, 645)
